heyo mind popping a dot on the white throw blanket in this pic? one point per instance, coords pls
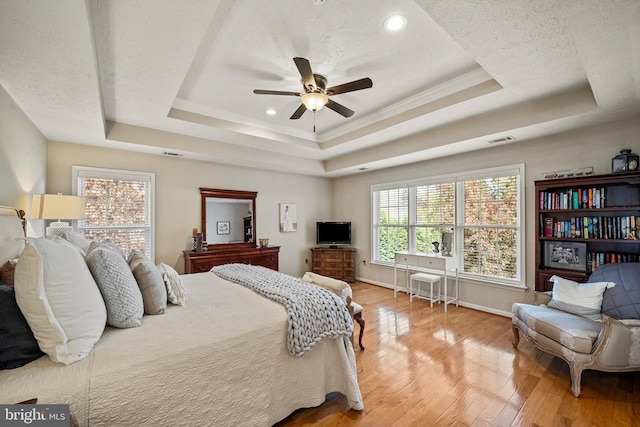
(314, 313)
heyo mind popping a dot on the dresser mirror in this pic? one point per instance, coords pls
(228, 217)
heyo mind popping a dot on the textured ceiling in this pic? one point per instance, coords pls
(161, 75)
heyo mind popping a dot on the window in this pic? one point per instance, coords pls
(391, 229)
(118, 206)
(482, 210)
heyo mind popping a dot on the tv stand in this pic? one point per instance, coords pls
(338, 263)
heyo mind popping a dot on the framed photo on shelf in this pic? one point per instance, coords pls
(565, 255)
(224, 227)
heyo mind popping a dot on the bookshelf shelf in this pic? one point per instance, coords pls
(584, 222)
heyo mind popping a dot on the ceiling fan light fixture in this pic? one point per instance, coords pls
(395, 23)
(314, 101)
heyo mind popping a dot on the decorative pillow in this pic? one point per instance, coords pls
(117, 284)
(7, 272)
(78, 240)
(18, 346)
(59, 299)
(108, 244)
(338, 287)
(150, 282)
(583, 299)
(176, 293)
(623, 301)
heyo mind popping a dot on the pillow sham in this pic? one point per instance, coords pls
(78, 240)
(117, 285)
(583, 299)
(18, 346)
(176, 293)
(150, 282)
(59, 298)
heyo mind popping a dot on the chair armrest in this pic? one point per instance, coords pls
(618, 346)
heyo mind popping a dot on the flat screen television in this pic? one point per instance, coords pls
(333, 233)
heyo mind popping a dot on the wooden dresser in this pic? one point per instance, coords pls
(336, 263)
(198, 262)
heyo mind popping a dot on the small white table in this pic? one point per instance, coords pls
(435, 264)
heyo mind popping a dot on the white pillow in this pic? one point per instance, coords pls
(584, 299)
(338, 287)
(59, 298)
(78, 240)
(176, 293)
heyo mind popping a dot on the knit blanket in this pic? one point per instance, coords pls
(314, 313)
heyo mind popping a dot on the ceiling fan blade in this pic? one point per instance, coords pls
(339, 108)
(365, 83)
(299, 112)
(275, 92)
(305, 72)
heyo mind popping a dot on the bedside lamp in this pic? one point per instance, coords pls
(57, 206)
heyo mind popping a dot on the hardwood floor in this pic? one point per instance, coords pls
(425, 367)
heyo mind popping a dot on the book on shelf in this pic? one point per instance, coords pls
(548, 226)
(596, 259)
(592, 227)
(573, 198)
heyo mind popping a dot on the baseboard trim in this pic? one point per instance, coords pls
(462, 303)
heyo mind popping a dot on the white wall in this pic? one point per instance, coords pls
(589, 147)
(23, 160)
(178, 197)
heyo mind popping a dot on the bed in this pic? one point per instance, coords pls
(221, 359)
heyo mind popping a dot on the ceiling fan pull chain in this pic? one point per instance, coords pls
(314, 121)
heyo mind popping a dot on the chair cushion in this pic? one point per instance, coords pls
(425, 277)
(357, 308)
(574, 332)
(623, 301)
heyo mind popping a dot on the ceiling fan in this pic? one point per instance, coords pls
(316, 94)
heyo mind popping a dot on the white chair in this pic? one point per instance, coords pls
(419, 278)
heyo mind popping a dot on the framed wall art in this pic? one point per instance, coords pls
(224, 227)
(288, 218)
(565, 255)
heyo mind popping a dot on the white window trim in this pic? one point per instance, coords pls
(458, 179)
(78, 171)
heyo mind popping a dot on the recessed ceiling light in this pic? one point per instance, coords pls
(395, 23)
(271, 112)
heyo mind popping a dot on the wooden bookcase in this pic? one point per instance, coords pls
(583, 222)
(337, 263)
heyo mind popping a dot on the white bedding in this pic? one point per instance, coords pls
(221, 359)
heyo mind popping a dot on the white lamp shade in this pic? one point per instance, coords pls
(57, 206)
(314, 101)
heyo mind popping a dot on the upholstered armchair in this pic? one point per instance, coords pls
(343, 290)
(607, 339)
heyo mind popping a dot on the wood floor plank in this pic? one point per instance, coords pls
(425, 367)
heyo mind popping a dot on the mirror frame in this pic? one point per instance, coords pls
(228, 194)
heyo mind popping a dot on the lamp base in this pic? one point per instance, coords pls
(57, 228)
